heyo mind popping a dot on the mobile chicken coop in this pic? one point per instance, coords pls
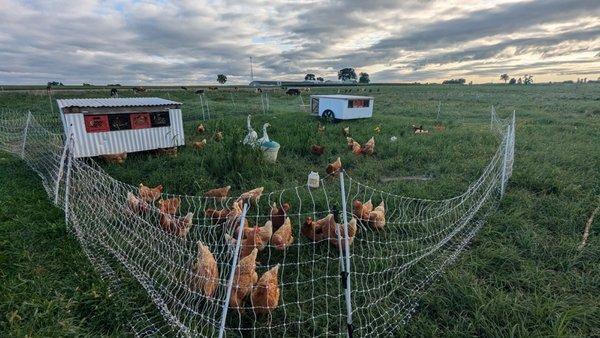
(115, 125)
(341, 107)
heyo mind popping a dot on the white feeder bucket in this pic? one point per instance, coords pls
(270, 150)
(313, 180)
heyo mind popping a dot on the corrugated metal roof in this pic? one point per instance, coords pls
(115, 102)
(345, 97)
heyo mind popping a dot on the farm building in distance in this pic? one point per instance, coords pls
(107, 126)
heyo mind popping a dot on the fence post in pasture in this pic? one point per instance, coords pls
(202, 107)
(492, 118)
(61, 168)
(233, 101)
(439, 111)
(268, 103)
(504, 160)
(68, 179)
(207, 107)
(232, 273)
(25, 131)
(512, 141)
(346, 269)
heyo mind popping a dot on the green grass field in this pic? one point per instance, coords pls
(523, 275)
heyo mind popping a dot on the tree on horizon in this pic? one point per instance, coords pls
(309, 77)
(346, 74)
(364, 78)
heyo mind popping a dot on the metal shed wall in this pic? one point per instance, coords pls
(118, 141)
(113, 142)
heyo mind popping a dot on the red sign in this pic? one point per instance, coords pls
(96, 123)
(140, 120)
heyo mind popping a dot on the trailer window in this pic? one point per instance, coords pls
(358, 103)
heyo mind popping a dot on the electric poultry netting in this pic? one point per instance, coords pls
(303, 266)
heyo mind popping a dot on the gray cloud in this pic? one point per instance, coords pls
(192, 41)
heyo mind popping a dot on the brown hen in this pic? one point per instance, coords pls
(265, 296)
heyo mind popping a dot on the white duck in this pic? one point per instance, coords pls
(251, 137)
(265, 137)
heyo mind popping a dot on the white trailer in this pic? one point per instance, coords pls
(115, 125)
(341, 107)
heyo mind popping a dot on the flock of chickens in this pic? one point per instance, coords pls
(263, 293)
(367, 149)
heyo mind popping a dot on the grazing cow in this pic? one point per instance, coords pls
(258, 90)
(213, 88)
(293, 91)
(114, 92)
(139, 89)
(199, 91)
(183, 87)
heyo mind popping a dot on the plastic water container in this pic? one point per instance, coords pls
(270, 150)
(313, 180)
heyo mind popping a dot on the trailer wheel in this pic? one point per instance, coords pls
(328, 116)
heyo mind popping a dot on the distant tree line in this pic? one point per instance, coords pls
(460, 81)
(526, 79)
(55, 84)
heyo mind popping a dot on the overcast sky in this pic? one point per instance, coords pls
(187, 42)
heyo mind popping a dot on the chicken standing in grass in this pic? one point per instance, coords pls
(356, 148)
(377, 217)
(200, 144)
(259, 236)
(205, 273)
(218, 136)
(115, 158)
(350, 142)
(317, 149)
(252, 196)
(362, 210)
(244, 279)
(200, 129)
(369, 147)
(217, 216)
(336, 234)
(219, 194)
(282, 238)
(170, 205)
(178, 226)
(136, 204)
(314, 229)
(334, 167)
(150, 194)
(346, 131)
(265, 296)
(278, 214)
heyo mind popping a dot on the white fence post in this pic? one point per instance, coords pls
(504, 160)
(202, 106)
(60, 171)
(232, 273)
(25, 131)
(207, 107)
(68, 179)
(492, 118)
(346, 270)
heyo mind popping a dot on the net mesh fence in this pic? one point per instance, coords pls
(305, 261)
